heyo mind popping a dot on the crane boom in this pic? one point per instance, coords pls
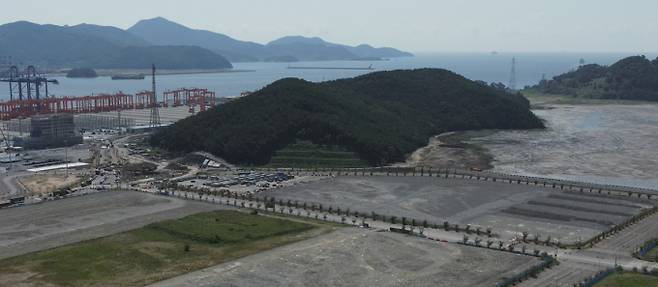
(4, 136)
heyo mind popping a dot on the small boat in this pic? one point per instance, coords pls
(128, 77)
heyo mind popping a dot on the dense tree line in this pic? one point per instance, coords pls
(632, 78)
(381, 116)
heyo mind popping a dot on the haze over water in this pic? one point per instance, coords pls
(486, 67)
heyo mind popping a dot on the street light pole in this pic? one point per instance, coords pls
(66, 160)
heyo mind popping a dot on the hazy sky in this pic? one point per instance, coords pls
(414, 25)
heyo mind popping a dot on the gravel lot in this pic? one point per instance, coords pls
(507, 208)
(357, 257)
(36, 227)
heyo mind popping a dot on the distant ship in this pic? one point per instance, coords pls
(128, 77)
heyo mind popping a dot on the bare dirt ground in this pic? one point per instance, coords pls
(450, 150)
(46, 183)
(357, 257)
(509, 209)
(37, 227)
(603, 143)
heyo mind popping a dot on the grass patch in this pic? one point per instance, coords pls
(158, 251)
(539, 99)
(629, 280)
(308, 155)
(652, 255)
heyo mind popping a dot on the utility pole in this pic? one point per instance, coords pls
(119, 125)
(512, 78)
(66, 160)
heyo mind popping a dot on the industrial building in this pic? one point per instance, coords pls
(57, 121)
(53, 130)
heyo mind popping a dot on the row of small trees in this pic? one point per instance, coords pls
(537, 239)
(526, 237)
(446, 172)
(642, 251)
(549, 241)
(532, 272)
(614, 230)
(287, 204)
(599, 276)
(500, 245)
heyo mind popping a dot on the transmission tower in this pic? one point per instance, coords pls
(512, 78)
(155, 114)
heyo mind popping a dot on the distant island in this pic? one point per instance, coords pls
(381, 117)
(168, 44)
(81, 73)
(632, 78)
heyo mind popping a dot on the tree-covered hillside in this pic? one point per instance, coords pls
(165, 57)
(632, 78)
(381, 116)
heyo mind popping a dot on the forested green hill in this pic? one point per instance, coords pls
(632, 78)
(381, 116)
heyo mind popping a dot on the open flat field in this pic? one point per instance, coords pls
(358, 257)
(602, 143)
(507, 208)
(55, 223)
(629, 280)
(155, 252)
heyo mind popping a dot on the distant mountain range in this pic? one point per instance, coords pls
(170, 45)
(97, 47)
(161, 31)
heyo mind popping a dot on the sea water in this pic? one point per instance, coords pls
(488, 67)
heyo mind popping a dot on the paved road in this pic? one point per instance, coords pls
(556, 184)
(614, 250)
(438, 234)
(563, 275)
(9, 185)
(617, 249)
